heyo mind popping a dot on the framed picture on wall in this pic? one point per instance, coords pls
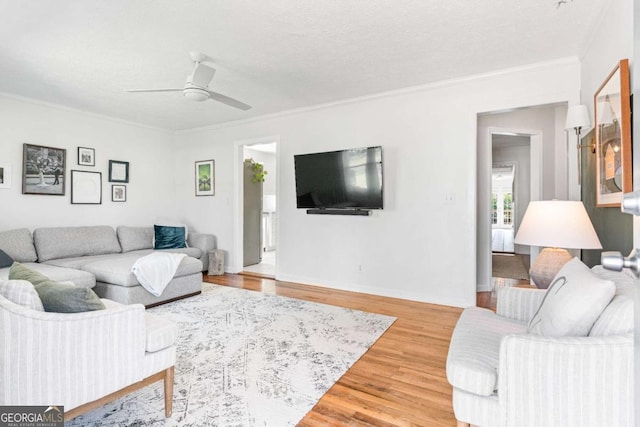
(205, 178)
(43, 170)
(5, 175)
(86, 156)
(612, 122)
(86, 188)
(118, 193)
(118, 171)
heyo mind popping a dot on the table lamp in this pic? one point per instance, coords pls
(556, 225)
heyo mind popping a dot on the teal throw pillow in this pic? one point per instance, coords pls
(57, 297)
(5, 260)
(167, 237)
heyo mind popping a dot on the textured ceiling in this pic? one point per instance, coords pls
(274, 55)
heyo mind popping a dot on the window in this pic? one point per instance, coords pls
(494, 208)
(507, 206)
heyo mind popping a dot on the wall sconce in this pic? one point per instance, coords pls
(577, 118)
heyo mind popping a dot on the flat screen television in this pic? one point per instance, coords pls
(345, 179)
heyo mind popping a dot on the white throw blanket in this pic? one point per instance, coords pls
(155, 271)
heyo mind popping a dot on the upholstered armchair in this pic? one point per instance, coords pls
(503, 375)
(82, 360)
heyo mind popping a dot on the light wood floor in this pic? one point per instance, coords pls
(401, 380)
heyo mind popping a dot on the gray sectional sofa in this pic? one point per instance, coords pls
(101, 258)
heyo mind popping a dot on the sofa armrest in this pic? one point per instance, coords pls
(581, 381)
(204, 242)
(69, 358)
(519, 303)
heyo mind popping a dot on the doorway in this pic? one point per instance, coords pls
(259, 242)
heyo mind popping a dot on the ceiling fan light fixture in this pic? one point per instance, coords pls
(195, 94)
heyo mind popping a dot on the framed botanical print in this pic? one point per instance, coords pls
(43, 170)
(612, 119)
(205, 178)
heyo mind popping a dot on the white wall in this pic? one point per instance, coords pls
(150, 192)
(420, 246)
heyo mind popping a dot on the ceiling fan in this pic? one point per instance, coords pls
(197, 86)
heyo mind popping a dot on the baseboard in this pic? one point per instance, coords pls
(380, 291)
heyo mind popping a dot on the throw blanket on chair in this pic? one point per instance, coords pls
(155, 271)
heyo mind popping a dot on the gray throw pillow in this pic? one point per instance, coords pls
(57, 297)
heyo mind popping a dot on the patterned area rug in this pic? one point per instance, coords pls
(248, 359)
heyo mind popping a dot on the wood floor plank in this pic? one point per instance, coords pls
(401, 380)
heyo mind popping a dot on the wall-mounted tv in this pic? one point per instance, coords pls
(346, 179)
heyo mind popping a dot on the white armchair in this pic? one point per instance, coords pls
(503, 376)
(82, 360)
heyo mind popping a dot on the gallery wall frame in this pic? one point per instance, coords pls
(612, 123)
(118, 193)
(118, 171)
(86, 188)
(43, 170)
(5, 175)
(86, 156)
(205, 177)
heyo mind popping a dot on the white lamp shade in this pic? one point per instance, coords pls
(557, 224)
(577, 117)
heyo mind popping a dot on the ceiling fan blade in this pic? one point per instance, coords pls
(155, 90)
(229, 101)
(202, 75)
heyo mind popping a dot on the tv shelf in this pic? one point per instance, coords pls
(358, 212)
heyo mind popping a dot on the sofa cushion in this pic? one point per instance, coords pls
(22, 293)
(472, 362)
(616, 319)
(117, 270)
(161, 333)
(572, 303)
(18, 244)
(55, 296)
(65, 242)
(135, 238)
(167, 237)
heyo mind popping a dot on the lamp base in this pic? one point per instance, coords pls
(547, 265)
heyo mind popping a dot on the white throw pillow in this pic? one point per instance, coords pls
(572, 303)
(22, 293)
